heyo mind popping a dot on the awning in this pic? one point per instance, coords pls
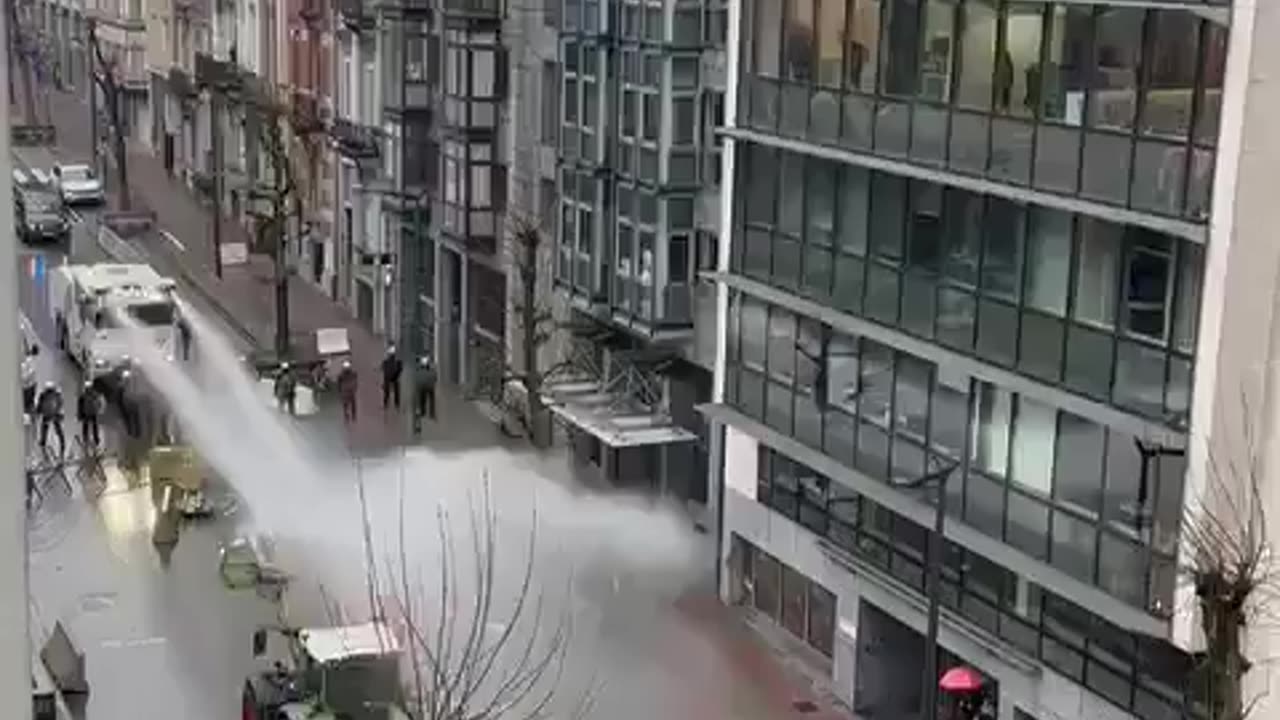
(610, 417)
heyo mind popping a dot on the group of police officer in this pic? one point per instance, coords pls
(347, 383)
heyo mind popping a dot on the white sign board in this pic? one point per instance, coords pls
(332, 341)
(234, 253)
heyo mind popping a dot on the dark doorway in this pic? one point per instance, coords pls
(889, 651)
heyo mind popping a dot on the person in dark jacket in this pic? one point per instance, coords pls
(347, 385)
(184, 338)
(392, 367)
(286, 389)
(424, 392)
(49, 407)
(90, 407)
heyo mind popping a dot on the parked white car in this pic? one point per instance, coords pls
(78, 185)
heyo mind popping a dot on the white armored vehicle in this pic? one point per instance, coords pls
(87, 300)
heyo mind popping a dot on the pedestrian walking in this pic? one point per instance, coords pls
(392, 368)
(424, 394)
(184, 338)
(347, 385)
(286, 389)
(90, 407)
(130, 413)
(50, 408)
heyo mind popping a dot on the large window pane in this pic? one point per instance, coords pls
(1117, 47)
(1149, 287)
(977, 61)
(843, 373)
(1068, 66)
(830, 33)
(1078, 467)
(876, 383)
(854, 208)
(911, 410)
(822, 618)
(1170, 72)
(820, 208)
(768, 576)
(760, 177)
(791, 195)
(1097, 266)
(782, 344)
(862, 44)
(1033, 446)
(1018, 83)
(1048, 260)
(925, 248)
(936, 55)
(993, 415)
(798, 39)
(950, 413)
(1213, 65)
(767, 37)
(754, 329)
(963, 234)
(1128, 494)
(1190, 272)
(889, 199)
(1002, 256)
(901, 51)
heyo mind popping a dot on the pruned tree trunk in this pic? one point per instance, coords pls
(539, 427)
(1222, 609)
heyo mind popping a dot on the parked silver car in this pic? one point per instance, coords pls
(78, 184)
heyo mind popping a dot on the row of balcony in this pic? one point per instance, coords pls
(360, 16)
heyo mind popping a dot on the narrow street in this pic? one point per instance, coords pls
(172, 642)
(155, 639)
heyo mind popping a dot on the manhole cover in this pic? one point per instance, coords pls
(805, 706)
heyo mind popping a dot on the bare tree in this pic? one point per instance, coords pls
(468, 659)
(106, 75)
(288, 134)
(535, 323)
(1232, 567)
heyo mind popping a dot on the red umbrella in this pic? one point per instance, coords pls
(961, 680)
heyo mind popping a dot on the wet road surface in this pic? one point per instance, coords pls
(158, 642)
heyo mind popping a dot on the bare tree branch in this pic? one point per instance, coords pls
(469, 663)
(1232, 567)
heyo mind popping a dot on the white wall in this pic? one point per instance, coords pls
(1236, 396)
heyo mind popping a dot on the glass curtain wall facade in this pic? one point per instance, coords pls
(443, 89)
(634, 156)
(1113, 104)
(896, 322)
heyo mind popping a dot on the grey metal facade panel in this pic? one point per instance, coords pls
(1192, 231)
(1055, 581)
(1101, 413)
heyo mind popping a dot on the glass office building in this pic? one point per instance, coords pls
(968, 234)
(641, 85)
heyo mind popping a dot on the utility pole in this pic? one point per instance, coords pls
(91, 43)
(215, 148)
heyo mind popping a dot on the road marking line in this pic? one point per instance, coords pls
(176, 242)
(75, 216)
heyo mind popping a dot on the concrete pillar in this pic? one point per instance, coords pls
(15, 649)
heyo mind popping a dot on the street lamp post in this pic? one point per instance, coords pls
(933, 581)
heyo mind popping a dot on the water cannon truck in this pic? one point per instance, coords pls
(87, 302)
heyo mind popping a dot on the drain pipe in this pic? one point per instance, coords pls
(15, 649)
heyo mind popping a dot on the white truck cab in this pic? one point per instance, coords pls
(86, 301)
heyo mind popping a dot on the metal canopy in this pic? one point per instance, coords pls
(622, 406)
(589, 407)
